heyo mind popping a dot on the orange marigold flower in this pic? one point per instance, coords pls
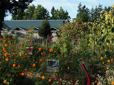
(14, 59)
(55, 70)
(58, 56)
(49, 80)
(107, 68)
(40, 49)
(55, 78)
(18, 66)
(57, 48)
(34, 65)
(20, 53)
(101, 58)
(10, 40)
(31, 74)
(81, 58)
(51, 50)
(4, 81)
(7, 59)
(108, 61)
(5, 45)
(97, 84)
(14, 54)
(42, 53)
(9, 43)
(14, 65)
(54, 51)
(41, 60)
(48, 56)
(102, 62)
(0, 53)
(6, 54)
(112, 82)
(111, 59)
(68, 67)
(3, 48)
(26, 54)
(22, 74)
(6, 29)
(43, 77)
(19, 58)
(25, 69)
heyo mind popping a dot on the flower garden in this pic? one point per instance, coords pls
(85, 57)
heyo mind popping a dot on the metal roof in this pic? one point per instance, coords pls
(24, 24)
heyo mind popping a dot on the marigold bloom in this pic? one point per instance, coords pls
(55, 78)
(14, 54)
(20, 53)
(57, 48)
(43, 77)
(18, 66)
(19, 58)
(111, 59)
(108, 61)
(40, 49)
(34, 65)
(58, 56)
(54, 51)
(81, 58)
(41, 60)
(14, 65)
(14, 59)
(97, 84)
(68, 67)
(4, 81)
(0, 53)
(112, 82)
(51, 50)
(3, 48)
(26, 54)
(102, 62)
(22, 74)
(5, 45)
(6, 29)
(9, 43)
(49, 80)
(6, 54)
(48, 56)
(7, 59)
(42, 53)
(10, 40)
(55, 70)
(31, 74)
(25, 69)
(107, 68)
(101, 58)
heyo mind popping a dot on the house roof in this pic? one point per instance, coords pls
(24, 24)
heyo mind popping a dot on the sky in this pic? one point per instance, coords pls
(71, 6)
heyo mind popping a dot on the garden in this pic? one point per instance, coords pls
(82, 55)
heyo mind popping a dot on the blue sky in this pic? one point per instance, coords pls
(70, 5)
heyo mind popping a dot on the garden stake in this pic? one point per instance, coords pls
(89, 81)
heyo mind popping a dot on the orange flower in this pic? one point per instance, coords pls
(6, 29)
(55, 78)
(18, 66)
(81, 58)
(31, 74)
(5, 38)
(73, 51)
(62, 50)
(0, 53)
(4, 81)
(55, 70)
(29, 31)
(54, 51)
(19, 58)
(112, 82)
(34, 65)
(108, 61)
(57, 48)
(68, 67)
(7, 59)
(107, 68)
(9, 43)
(96, 81)
(26, 54)
(6, 54)
(101, 58)
(97, 84)
(5, 45)
(51, 50)
(58, 56)
(111, 59)
(42, 53)
(41, 60)
(10, 40)
(40, 49)
(48, 56)
(14, 59)
(43, 77)
(102, 62)
(49, 80)
(22, 74)
(25, 69)
(3, 48)
(14, 54)
(20, 53)
(14, 65)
